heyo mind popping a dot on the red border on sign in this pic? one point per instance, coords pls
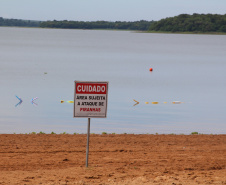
(91, 88)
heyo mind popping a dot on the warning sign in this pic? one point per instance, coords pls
(90, 100)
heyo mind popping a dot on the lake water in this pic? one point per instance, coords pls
(44, 63)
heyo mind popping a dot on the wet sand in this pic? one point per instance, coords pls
(113, 159)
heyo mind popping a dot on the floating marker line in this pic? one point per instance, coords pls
(18, 104)
(137, 102)
(19, 98)
(21, 101)
(32, 101)
(177, 102)
(155, 102)
(69, 101)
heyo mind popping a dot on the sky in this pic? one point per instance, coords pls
(107, 10)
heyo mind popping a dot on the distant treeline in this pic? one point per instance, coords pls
(181, 23)
(19, 22)
(137, 25)
(191, 23)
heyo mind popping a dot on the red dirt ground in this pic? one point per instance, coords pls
(113, 159)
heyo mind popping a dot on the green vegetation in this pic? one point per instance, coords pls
(104, 132)
(194, 133)
(197, 23)
(183, 23)
(118, 25)
(19, 22)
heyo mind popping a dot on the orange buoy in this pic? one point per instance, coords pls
(155, 102)
(150, 69)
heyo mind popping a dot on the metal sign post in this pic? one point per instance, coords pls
(90, 101)
(87, 145)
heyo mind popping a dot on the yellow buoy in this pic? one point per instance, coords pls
(70, 101)
(155, 102)
(146, 102)
(177, 102)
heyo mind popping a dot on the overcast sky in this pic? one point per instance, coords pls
(108, 10)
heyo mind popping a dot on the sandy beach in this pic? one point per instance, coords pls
(113, 159)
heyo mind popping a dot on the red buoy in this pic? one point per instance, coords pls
(150, 69)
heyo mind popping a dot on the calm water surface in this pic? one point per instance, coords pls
(44, 63)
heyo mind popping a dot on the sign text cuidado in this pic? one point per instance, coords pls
(90, 100)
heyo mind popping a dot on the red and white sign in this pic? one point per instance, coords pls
(90, 100)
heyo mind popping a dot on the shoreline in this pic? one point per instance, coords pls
(192, 33)
(112, 134)
(135, 31)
